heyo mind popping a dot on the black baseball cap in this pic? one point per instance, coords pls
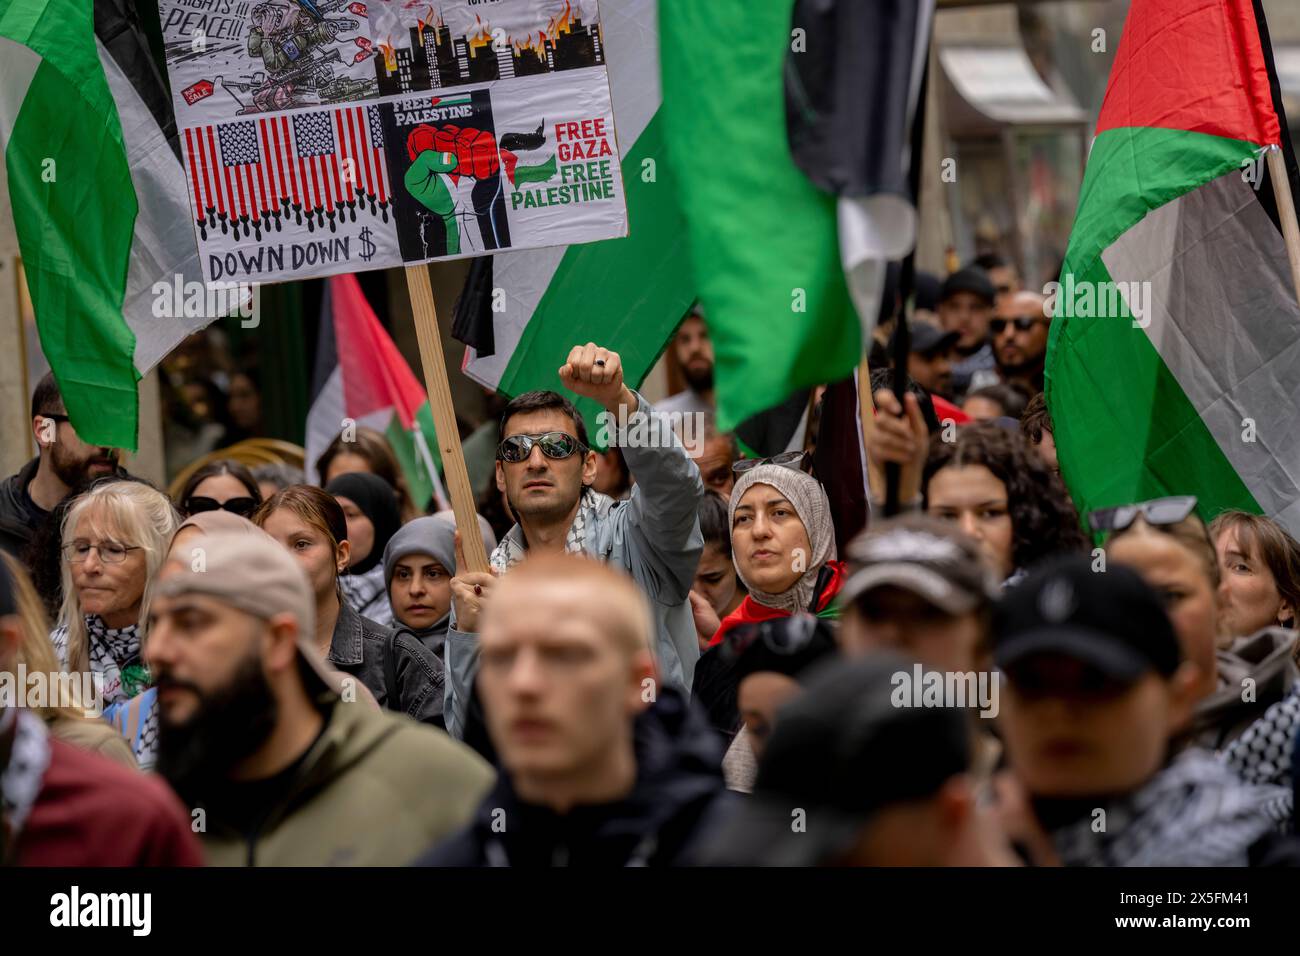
(927, 337)
(926, 290)
(925, 556)
(1110, 620)
(970, 279)
(840, 752)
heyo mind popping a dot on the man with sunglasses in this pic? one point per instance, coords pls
(64, 463)
(545, 469)
(1019, 333)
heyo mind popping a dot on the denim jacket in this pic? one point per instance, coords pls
(393, 665)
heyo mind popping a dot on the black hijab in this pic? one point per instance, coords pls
(378, 501)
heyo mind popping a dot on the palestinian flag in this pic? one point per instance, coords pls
(361, 379)
(625, 294)
(788, 124)
(1174, 361)
(99, 204)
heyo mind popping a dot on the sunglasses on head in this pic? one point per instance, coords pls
(1023, 323)
(1156, 512)
(794, 460)
(557, 445)
(242, 506)
(786, 636)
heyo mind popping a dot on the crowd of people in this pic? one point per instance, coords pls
(708, 652)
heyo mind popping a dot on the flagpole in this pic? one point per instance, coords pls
(444, 416)
(1286, 212)
(906, 285)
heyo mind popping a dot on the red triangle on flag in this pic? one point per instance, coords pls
(1195, 65)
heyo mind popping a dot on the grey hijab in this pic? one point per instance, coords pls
(435, 536)
(808, 497)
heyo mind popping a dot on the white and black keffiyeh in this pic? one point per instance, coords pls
(366, 594)
(513, 549)
(1195, 812)
(1262, 754)
(114, 654)
(20, 782)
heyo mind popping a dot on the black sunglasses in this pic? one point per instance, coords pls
(243, 506)
(1156, 512)
(1023, 323)
(784, 637)
(557, 445)
(794, 460)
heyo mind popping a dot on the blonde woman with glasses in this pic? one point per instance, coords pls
(115, 537)
(69, 715)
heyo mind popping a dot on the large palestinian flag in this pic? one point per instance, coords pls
(1174, 360)
(99, 204)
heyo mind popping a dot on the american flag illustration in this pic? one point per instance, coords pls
(250, 175)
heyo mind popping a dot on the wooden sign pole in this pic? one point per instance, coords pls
(444, 416)
(1285, 210)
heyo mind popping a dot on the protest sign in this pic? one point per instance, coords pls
(324, 136)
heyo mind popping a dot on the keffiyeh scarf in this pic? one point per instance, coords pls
(1262, 754)
(592, 506)
(366, 594)
(20, 783)
(1195, 812)
(114, 654)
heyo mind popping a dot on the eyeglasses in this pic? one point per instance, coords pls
(242, 506)
(794, 460)
(1157, 512)
(109, 552)
(557, 445)
(1023, 323)
(54, 417)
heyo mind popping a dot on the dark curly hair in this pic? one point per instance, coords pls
(1043, 519)
(1036, 419)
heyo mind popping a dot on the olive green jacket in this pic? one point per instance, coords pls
(376, 789)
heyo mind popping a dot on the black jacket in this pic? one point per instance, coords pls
(677, 796)
(393, 665)
(19, 515)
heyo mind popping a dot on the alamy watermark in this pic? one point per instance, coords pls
(39, 689)
(637, 431)
(1095, 300)
(929, 688)
(206, 300)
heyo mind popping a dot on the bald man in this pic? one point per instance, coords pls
(1019, 333)
(600, 766)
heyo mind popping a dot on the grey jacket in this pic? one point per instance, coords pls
(654, 535)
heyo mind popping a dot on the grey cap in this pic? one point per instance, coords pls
(922, 555)
(253, 574)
